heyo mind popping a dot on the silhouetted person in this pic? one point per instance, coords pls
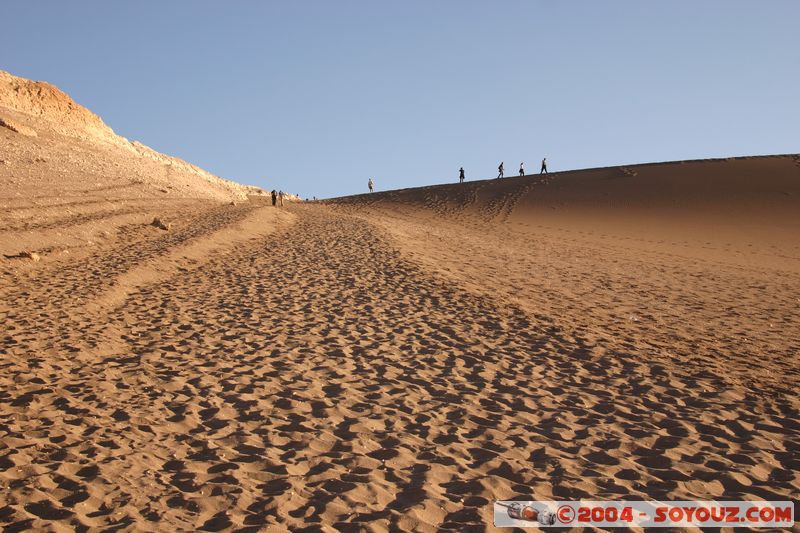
(522, 169)
(371, 185)
(544, 166)
(500, 171)
(274, 197)
(461, 175)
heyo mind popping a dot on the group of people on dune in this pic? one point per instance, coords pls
(501, 170)
(461, 176)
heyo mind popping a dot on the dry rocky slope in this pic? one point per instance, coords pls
(67, 180)
(395, 361)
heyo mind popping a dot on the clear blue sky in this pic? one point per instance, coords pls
(315, 97)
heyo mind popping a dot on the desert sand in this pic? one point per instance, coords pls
(387, 361)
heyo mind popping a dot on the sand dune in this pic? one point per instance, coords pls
(398, 361)
(738, 201)
(699, 258)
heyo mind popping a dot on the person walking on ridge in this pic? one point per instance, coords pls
(461, 175)
(371, 185)
(274, 197)
(522, 169)
(500, 171)
(544, 166)
(280, 198)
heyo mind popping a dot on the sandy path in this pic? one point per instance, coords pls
(316, 376)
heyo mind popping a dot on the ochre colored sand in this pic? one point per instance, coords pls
(394, 361)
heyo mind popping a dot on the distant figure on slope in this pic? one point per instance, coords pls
(274, 197)
(461, 175)
(544, 166)
(500, 171)
(280, 198)
(522, 169)
(371, 185)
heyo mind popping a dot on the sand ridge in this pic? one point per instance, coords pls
(705, 275)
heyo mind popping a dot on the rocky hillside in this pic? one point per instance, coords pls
(68, 181)
(42, 124)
